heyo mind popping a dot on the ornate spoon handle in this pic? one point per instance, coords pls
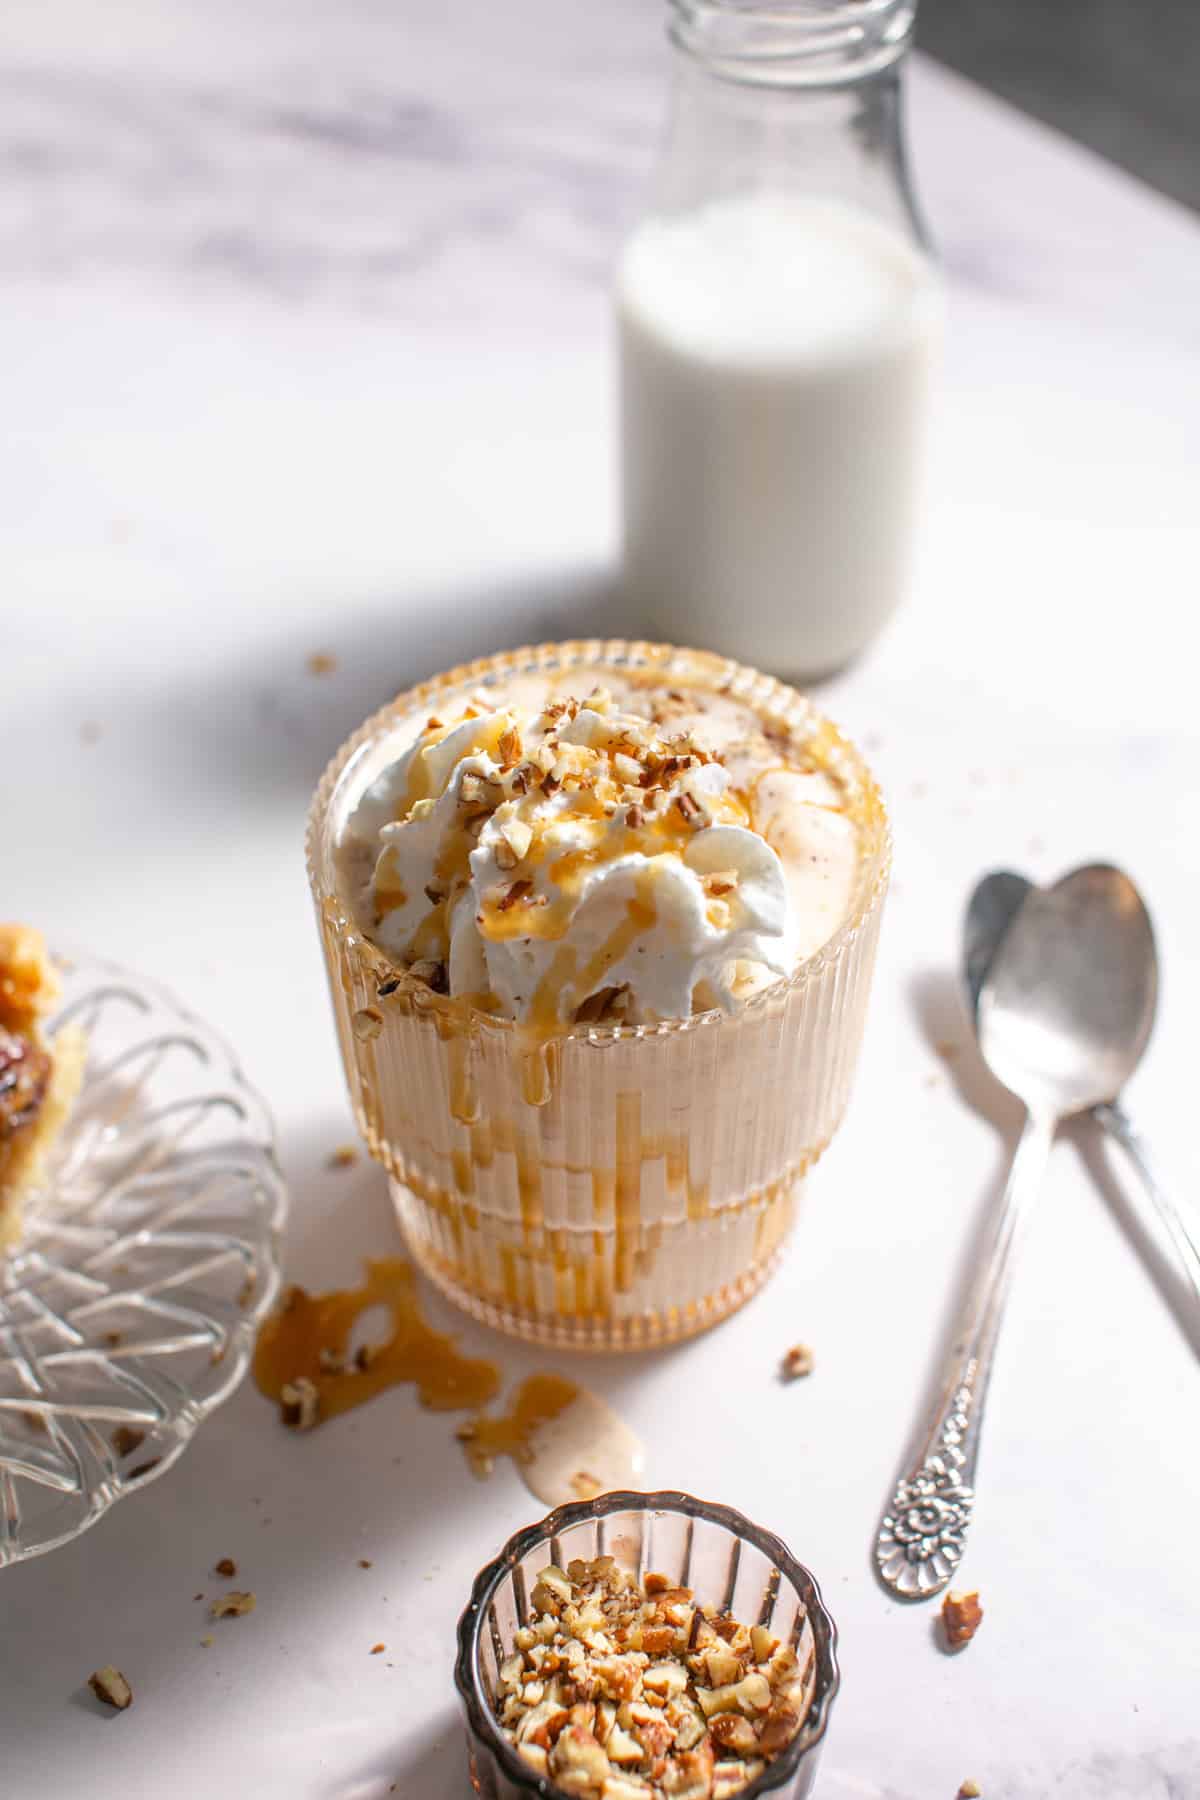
(1116, 1120)
(921, 1538)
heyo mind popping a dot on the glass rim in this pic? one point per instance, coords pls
(468, 1681)
(763, 692)
(802, 43)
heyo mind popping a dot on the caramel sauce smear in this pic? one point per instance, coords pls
(310, 1337)
(537, 1403)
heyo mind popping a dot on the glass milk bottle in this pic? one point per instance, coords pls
(777, 321)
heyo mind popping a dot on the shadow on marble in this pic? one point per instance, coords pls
(941, 1010)
(86, 1701)
(1121, 1191)
(268, 725)
(435, 1769)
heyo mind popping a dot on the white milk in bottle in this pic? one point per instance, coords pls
(777, 322)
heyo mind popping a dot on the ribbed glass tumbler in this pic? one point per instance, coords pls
(611, 1186)
(728, 1563)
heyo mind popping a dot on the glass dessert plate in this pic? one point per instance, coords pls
(129, 1309)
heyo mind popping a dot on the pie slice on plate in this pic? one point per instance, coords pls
(39, 1075)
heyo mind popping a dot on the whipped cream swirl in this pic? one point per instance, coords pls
(570, 866)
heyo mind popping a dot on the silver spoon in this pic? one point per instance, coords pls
(1062, 1018)
(991, 910)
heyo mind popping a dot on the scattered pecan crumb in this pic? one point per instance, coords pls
(344, 1156)
(969, 1790)
(197, 1596)
(376, 1649)
(797, 1363)
(961, 1618)
(364, 1562)
(114, 1338)
(322, 662)
(693, 812)
(108, 1684)
(144, 1468)
(300, 1404)
(125, 1440)
(226, 1567)
(233, 1605)
(206, 1643)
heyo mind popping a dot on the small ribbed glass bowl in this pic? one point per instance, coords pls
(728, 1563)
(610, 1187)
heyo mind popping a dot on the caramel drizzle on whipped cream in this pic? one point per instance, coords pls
(631, 775)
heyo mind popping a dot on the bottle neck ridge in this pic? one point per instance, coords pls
(793, 43)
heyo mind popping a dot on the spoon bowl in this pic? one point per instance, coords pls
(1067, 1002)
(994, 905)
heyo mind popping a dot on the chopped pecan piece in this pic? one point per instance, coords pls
(108, 1684)
(233, 1605)
(578, 1764)
(797, 1362)
(961, 1618)
(300, 1404)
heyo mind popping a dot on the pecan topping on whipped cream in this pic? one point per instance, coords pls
(585, 861)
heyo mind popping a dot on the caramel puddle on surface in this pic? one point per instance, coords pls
(567, 1443)
(310, 1331)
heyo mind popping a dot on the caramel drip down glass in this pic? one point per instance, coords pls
(607, 1186)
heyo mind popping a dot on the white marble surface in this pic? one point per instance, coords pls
(305, 347)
